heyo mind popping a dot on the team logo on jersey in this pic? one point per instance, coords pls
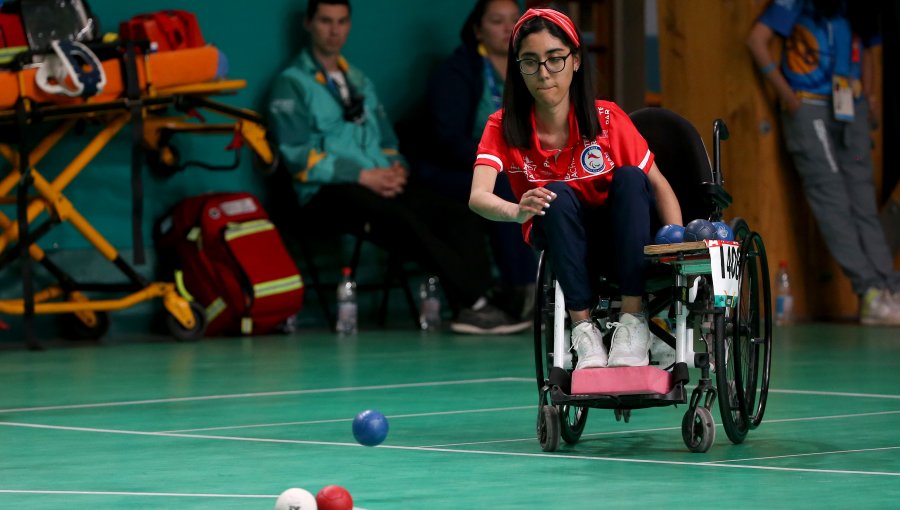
(593, 160)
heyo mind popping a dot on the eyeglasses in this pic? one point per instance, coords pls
(529, 66)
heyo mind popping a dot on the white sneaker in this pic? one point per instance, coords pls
(878, 308)
(587, 342)
(630, 342)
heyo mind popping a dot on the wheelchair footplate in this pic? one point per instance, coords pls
(619, 388)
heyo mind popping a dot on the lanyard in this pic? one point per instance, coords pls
(332, 85)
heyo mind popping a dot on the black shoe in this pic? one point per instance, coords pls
(487, 320)
(517, 302)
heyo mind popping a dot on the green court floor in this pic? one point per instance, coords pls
(231, 423)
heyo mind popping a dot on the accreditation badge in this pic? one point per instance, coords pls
(842, 98)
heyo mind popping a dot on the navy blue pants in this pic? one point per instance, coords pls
(582, 242)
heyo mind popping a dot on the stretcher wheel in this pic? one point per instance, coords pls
(622, 413)
(698, 429)
(73, 328)
(548, 428)
(572, 420)
(182, 334)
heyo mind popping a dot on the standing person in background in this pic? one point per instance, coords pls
(584, 180)
(463, 92)
(336, 140)
(824, 83)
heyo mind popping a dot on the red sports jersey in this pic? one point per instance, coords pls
(585, 165)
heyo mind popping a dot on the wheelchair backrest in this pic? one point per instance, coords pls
(680, 156)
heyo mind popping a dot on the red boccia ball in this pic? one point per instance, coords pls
(334, 497)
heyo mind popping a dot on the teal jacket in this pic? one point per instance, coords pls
(314, 141)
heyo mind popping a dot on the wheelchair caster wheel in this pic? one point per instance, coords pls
(572, 421)
(698, 429)
(548, 428)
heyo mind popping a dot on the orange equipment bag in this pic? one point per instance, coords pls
(169, 29)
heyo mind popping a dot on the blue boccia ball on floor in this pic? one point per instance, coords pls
(723, 231)
(670, 234)
(698, 230)
(370, 428)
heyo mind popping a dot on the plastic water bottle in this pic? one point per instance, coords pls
(347, 309)
(430, 304)
(784, 299)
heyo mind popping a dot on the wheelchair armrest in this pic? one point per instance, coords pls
(717, 194)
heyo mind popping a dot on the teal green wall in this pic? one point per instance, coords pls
(396, 47)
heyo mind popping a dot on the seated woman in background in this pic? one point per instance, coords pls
(465, 90)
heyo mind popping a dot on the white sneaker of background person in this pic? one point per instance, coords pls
(630, 344)
(879, 308)
(587, 342)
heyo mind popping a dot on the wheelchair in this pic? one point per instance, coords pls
(733, 336)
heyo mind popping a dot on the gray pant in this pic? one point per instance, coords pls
(834, 161)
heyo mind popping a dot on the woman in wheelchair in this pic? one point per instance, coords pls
(560, 146)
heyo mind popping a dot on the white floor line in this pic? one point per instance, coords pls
(359, 388)
(264, 394)
(448, 450)
(146, 494)
(491, 410)
(345, 420)
(151, 494)
(831, 417)
(835, 394)
(663, 429)
(533, 438)
(860, 450)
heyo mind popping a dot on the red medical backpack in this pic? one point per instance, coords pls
(232, 261)
(169, 29)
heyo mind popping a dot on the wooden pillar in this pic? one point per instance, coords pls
(708, 73)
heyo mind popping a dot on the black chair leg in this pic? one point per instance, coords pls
(321, 292)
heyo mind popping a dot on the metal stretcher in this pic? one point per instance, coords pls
(143, 105)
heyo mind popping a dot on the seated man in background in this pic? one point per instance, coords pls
(335, 137)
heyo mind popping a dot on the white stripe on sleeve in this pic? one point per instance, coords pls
(490, 157)
(644, 162)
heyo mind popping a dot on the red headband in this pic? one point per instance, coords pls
(557, 18)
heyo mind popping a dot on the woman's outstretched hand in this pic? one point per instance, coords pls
(534, 202)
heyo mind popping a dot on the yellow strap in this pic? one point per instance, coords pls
(236, 230)
(215, 309)
(279, 286)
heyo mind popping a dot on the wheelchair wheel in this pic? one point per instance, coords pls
(729, 382)
(751, 328)
(698, 429)
(572, 420)
(548, 428)
(543, 324)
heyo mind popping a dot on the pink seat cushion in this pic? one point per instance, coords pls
(621, 381)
